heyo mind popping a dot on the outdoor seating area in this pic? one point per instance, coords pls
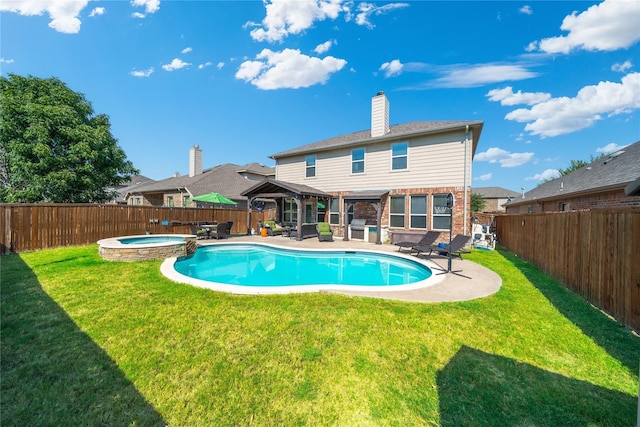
(409, 241)
(211, 230)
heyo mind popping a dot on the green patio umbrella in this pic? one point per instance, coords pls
(214, 197)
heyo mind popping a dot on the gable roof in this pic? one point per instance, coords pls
(274, 186)
(612, 172)
(226, 179)
(494, 192)
(405, 130)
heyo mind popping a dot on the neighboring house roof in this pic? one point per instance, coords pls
(612, 172)
(395, 132)
(129, 186)
(226, 179)
(494, 192)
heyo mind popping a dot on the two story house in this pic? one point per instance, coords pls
(396, 178)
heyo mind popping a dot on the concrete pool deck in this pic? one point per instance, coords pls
(467, 281)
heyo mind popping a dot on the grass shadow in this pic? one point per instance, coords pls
(477, 388)
(83, 387)
(617, 340)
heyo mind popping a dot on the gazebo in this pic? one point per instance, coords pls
(272, 189)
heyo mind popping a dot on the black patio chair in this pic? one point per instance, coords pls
(456, 247)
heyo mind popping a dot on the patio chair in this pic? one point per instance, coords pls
(427, 240)
(221, 231)
(272, 227)
(199, 232)
(455, 248)
(325, 234)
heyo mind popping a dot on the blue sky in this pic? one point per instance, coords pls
(552, 81)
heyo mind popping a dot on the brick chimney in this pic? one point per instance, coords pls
(379, 115)
(195, 161)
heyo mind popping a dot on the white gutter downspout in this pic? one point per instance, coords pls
(466, 137)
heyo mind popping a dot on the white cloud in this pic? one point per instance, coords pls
(219, 65)
(392, 68)
(176, 64)
(610, 148)
(142, 73)
(138, 15)
(186, 50)
(485, 177)
(366, 10)
(97, 12)
(323, 47)
(150, 6)
(288, 69)
(503, 157)
(63, 13)
(6, 61)
(547, 175)
(558, 116)
(507, 97)
(464, 75)
(286, 17)
(610, 25)
(622, 67)
(205, 65)
(526, 9)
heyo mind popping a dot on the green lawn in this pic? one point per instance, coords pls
(90, 342)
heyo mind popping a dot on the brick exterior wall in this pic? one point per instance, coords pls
(612, 199)
(367, 210)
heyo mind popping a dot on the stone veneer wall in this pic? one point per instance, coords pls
(124, 253)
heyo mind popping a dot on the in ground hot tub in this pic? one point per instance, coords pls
(147, 247)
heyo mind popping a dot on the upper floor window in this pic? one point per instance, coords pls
(357, 160)
(396, 211)
(418, 212)
(399, 156)
(441, 213)
(311, 165)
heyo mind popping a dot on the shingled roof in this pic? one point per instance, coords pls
(611, 172)
(395, 132)
(226, 179)
(494, 192)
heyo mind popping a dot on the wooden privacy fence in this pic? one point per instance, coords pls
(595, 253)
(29, 227)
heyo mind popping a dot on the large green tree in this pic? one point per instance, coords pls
(53, 148)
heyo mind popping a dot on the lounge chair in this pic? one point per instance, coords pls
(455, 248)
(427, 240)
(324, 232)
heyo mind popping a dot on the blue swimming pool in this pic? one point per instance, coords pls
(262, 266)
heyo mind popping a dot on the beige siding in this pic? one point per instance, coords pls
(434, 161)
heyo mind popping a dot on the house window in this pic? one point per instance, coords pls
(311, 166)
(350, 214)
(357, 160)
(320, 215)
(562, 207)
(290, 211)
(334, 211)
(529, 209)
(137, 201)
(399, 156)
(418, 212)
(396, 211)
(187, 202)
(441, 213)
(170, 201)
